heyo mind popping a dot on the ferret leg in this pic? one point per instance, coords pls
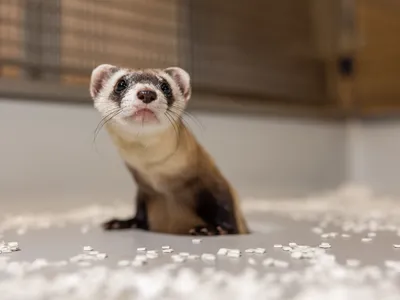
(217, 211)
(139, 221)
(207, 230)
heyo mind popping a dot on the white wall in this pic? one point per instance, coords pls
(375, 151)
(47, 155)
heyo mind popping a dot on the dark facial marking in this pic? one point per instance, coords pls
(162, 84)
(127, 81)
(143, 78)
(167, 91)
(120, 89)
(120, 86)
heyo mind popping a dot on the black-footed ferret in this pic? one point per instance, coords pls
(180, 189)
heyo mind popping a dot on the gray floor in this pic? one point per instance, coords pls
(45, 265)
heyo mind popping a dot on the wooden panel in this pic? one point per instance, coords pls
(377, 77)
(270, 48)
(136, 33)
(254, 52)
(11, 10)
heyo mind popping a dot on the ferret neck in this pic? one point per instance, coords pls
(162, 137)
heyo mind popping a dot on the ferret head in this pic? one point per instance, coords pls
(140, 100)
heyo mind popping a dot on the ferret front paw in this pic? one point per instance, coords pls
(116, 224)
(208, 230)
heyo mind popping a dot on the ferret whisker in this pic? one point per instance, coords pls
(176, 126)
(177, 133)
(173, 124)
(190, 116)
(194, 119)
(108, 117)
(179, 116)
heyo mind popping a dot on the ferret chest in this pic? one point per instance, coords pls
(157, 174)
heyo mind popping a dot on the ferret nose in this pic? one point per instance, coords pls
(147, 96)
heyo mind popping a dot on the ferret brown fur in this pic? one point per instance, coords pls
(179, 188)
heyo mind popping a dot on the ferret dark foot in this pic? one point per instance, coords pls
(208, 230)
(116, 224)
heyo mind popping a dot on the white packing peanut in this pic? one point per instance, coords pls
(222, 251)
(325, 245)
(233, 254)
(269, 262)
(124, 263)
(151, 255)
(208, 256)
(281, 264)
(196, 241)
(138, 263)
(178, 258)
(84, 264)
(317, 230)
(87, 248)
(12, 244)
(366, 240)
(142, 249)
(102, 256)
(141, 258)
(260, 251)
(61, 263)
(353, 262)
(302, 247)
(297, 254)
(234, 250)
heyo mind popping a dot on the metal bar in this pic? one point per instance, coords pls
(28, 90)
(76, 52)
(52, 20)
(241, 97)
(32, 33)
(157, 10)
(153, 23)
(185, 54)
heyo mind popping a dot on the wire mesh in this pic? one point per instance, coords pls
(252, 49)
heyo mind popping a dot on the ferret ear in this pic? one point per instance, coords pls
(182, 79)
(99, 76)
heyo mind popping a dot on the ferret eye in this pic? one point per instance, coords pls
(165, 88)
(121, 85)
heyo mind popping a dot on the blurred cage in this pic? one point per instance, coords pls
(254, 51)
